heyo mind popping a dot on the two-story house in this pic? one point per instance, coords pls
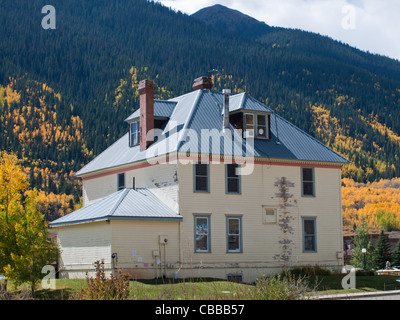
(207, 184)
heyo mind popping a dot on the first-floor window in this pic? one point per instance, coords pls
(234, 226)
(202, 233)
(309, 235)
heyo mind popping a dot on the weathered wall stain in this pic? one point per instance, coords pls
(285, 242)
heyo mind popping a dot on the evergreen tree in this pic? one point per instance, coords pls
(362, 241)
(382, 251)
(396, 255)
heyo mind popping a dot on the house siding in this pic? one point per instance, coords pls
(81, 245)
(134, 242)
(262, 251)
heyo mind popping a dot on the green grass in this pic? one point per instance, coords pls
(211, 289)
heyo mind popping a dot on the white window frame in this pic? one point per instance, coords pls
(134, 134)
(255, 126)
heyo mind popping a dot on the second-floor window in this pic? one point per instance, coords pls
(232, 184)
(308, 182)
(134, 133)
(201, 177)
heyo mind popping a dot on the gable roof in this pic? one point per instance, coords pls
(126, 204)
(203, 110)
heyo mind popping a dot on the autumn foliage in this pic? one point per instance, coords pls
(375, 203)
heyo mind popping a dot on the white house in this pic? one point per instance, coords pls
(207, 184)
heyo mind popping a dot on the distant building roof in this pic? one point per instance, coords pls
(201, 110)
(126, 204)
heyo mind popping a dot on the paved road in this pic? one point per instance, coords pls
(378, 295)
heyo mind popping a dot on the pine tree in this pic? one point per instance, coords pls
(362, 241)
(382, 251)
(396, 255)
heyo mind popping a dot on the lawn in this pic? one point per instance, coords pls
(209, 289)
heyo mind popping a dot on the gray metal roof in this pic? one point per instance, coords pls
(202, 110)
(126, 204)
(162, 109)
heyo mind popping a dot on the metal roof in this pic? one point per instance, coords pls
(201, 110)
(162, 109)
(126, 204)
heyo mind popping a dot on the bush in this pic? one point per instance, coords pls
(9, 295)
(101, 288)
(281, 287)
(307, 271)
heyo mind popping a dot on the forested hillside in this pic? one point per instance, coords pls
(65, 93)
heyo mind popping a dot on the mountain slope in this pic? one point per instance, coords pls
(100, 50)
(223, 18)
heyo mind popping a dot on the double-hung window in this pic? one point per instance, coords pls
(202, 234)
(309, 235)
(232, 178)
(201, 177)
(134, 133)
(308, 182)
(234, 236)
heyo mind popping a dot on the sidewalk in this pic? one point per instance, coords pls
(356, 295)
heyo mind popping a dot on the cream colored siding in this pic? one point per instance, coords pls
(260, 240)
(134, 242)
(161, 179)
(83, 244)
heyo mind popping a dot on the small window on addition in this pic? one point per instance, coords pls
(121, 181)
(269, 215)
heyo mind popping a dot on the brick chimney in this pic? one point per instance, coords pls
(202, 83)
(146, 91)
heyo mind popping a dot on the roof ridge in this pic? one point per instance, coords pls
(116, 205)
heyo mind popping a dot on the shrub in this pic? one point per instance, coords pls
(307, 271)
(281, 287)
(102, 288)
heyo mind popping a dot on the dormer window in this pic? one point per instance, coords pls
(134, 133)
(256, 126)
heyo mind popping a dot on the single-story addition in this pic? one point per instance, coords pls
(207, 184)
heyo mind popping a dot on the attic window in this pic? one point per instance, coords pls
(134, 133)
(255, 126)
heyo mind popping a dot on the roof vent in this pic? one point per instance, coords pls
(202, 83)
